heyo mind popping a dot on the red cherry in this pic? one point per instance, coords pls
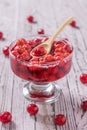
(30, 19)
(21, 42)
(5, 117)
(66, 54)
(84, 105)
(41, 31)
(60, 119)
(6, 50)
(73, 24)
(40, 51)
(83, 78)
(49, 58)
(1, 35)
(25, 56)
(15, 53)
(32, 109)
(67, 48)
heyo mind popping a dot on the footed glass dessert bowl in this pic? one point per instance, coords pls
(41, 72)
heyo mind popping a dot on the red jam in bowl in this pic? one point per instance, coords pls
(48, 68)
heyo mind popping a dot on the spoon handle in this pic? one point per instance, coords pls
(60, 29)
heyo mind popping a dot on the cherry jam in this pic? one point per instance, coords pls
(48, 68)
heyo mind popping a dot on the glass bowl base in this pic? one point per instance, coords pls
(41, 93)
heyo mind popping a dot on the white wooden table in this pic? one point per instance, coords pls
(48, 14)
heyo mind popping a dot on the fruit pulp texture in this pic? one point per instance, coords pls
(46, 69)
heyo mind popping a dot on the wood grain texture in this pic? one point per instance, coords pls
(48, 14)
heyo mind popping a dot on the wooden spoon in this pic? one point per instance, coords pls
(48, 44)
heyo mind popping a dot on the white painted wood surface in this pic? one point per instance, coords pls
(48, 14)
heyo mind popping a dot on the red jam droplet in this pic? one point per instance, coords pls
(41, 31)
(1, 35)
(84, 105)
(5, 117)
(6, 50)
(60, 119)
(32, 109)
(83, 78)
(30, 19)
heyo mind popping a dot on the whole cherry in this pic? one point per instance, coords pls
(6, 50)
(83, 78)
(41, 31)
(30, 19)
(1, 35)
(32, 109)
(5, 117)
(73, 23)
(60, 119)
(84, 105)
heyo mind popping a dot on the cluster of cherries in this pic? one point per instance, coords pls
(32, 109)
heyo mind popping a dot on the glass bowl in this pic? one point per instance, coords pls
(41, 77)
